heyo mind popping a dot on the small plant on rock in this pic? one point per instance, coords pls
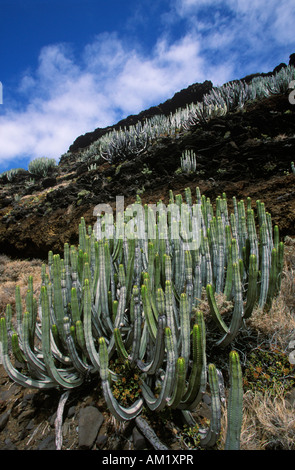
(269, 370)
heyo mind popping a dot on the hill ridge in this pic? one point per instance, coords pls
(191, 94)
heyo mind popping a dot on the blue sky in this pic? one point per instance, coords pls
(69, 66)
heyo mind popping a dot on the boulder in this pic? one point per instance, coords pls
(90, 421)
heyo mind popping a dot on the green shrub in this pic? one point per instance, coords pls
(268, 369)
(41, 166)
(10, 174)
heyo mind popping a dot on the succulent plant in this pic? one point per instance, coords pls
(132, 289)
(10, 174)
(119, 144)
(188, 161)
(41, 166)
(235, 403)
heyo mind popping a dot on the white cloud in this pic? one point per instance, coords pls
(50, 123)
(284, 22)
(253, 32)
(68, 97)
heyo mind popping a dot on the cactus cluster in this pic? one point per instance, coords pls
(41, 166)
(38, 166)
(234, 95)
(124, 142)
(132, 289)
(188, 161)
(10, 174)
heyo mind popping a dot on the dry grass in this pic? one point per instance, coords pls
(278, 325)
(269, 421)
(268, 424)
(17, 272)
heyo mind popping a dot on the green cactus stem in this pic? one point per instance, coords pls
(82, 367)
(148, 313)
(170, 315)
(273, 277)
(214, 310)
(197, 377)
(281, 249)
(34, 362)
(237, 316)
(265, 264)
(159, 403)
(120, 344)
(210, 436)
(87, 327)
(235, 403)
(151, 367)
(252, 292)
(238, 311)
(184, 313)
(62, 377)
(17, 352)
(120, 412)
(14, 374)
(179, 386)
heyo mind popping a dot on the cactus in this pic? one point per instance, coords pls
(133, 292)
(231, 331)
(119, 144)
(41, 166)
(121, 413)
(14, 374)
(235, 403)
(188, 161)
(252, 286)
(210, 436)
(158, 403)
(197, 376)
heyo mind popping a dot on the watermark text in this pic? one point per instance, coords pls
(291, 345)
(292, 93)
(150, 222)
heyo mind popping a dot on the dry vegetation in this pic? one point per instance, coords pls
(17, 272)
(268, 421)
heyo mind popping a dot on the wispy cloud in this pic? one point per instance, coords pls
(67, 96)
(255, 33)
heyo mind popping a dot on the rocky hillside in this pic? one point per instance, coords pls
(245, 153)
